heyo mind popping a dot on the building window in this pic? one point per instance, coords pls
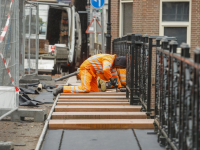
(179, 32)
(126, 15)
(175, 19)
(175, 11)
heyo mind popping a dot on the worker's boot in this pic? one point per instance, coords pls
(98, 81)
(103, 86)
(58, 90)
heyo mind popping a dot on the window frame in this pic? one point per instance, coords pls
(176, 23)
(121, 17)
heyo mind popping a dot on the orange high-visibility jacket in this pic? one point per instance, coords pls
(101, 63)
(114, 75)
(122, 76)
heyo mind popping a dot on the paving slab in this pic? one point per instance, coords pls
(147, 141)
(6, 146)
(52, 140)
(99, 140)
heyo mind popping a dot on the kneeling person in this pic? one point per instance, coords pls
(101, 63)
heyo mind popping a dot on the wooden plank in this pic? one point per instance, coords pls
(93, 103)
(92, 97)
(92, 100)
(95, 94)
(99, 115)
(95, 108)
(102, 124)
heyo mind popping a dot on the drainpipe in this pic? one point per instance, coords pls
(108, 36)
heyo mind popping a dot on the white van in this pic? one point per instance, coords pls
(58, 25)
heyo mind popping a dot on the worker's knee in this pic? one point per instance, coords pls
(87, 90)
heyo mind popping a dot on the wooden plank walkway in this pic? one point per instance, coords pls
(102, 110)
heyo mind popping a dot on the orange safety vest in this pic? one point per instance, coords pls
(101, 63)
(122, 76)
(114, 75)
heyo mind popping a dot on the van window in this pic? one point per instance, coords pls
(43, 21)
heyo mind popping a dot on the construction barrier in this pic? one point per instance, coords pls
(176, 108)
(9, 56)
(31, 37)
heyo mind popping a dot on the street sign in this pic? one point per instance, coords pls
(92, 28)
(97, 3)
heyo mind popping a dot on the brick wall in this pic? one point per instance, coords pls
(146, 17)
(195, 26)
(146, 21)
(114, 19)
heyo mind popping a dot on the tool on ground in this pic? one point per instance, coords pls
(39, 87)
(67, 76)
(42, 85)
(112, 82)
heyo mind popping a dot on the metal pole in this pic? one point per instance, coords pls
(17, 48)
(149, 78)
(24, 38)
(0, 15)
(132, 76)
(102, 31)
(29, 41)
(37, 37)
(95, 31)
(8, 113)
(46, 125)
(108, 42)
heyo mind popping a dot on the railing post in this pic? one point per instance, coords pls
(173, 46)
(136, 62)
(171, 102)
(182, 125)
(196, 101)
(132, 68)
(156, 112)
(149, 78)
(185, 50)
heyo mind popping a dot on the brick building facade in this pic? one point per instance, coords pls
(147, 18)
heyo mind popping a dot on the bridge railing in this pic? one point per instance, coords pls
(176, 108)
(138, 50)
(177, 96)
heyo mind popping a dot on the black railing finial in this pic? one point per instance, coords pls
(197, 55)
(185, 50)
(173, 46)
(165, 43)
(146, 38)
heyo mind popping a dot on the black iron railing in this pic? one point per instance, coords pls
(177, 96)
(138, 49)
(177, 87)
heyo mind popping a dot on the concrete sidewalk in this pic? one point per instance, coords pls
(101, 139)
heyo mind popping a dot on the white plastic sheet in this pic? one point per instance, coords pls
(7, 97)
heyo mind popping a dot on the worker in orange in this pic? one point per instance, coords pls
(101, 80)
(122, 76)
(101, 63)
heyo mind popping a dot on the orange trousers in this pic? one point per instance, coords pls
(88, 83)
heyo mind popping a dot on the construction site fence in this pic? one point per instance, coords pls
(10, 62)
(176, 109)
(19, 48)
(31, 36)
